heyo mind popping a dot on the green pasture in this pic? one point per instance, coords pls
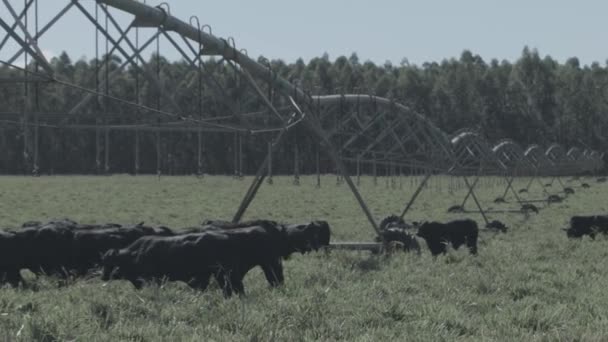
(530, 284)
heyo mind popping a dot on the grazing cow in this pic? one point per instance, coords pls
(524, 190)
(438, 235)
(394, 235)
(499, 200)
(601, 180)
(304, 238)
(88, 245)
(391, 221)
(227, 254)
(316, 233)
(455, 209)
(45, 249)
(527, 207)
(587, 225)
(554, 199)
(394, 221)
(64, 247)
(585, 186)
(568, 191)
(405, 241)
(191, 258)
(497, 226)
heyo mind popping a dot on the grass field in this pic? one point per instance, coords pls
(529, 284)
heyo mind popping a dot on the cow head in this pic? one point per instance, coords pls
(323, 232)
(425, 229)
(580, 225)
(398, 237)
(304, 238)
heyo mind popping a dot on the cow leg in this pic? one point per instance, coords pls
(437, 247)
(456, 244)
(221, 278)
(236, 282)
(231, 282)
(274, 272)
(472, 244)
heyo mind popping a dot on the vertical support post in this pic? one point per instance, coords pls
(387, 171)
(136, 166)
(375, 169)
(158, 104)
(236, 155)
(240, 156)
(269, 157)
(36, 169)
(296, 166)
(106, 92)
(97, 147)
(107, 150)
(25, 108)
(199, 154)
(318, 167)
(158, 153)
(358, 171)
(36, 137)
(137, 100)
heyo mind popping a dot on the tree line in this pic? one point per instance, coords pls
(531, 100)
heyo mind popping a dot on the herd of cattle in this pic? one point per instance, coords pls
(140, 253)
(218, 249)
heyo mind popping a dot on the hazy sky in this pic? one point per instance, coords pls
(380, 30)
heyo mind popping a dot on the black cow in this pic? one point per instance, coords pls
(64, 247)
(228, 254)
(393, 229)
(191, 258)
(309, 236)
(554, 199)
(45, 249)
(231, 225)
(11, 259)
(529, 207)
(587, 225)
(88, 245)
(438, 235)
(313, 235)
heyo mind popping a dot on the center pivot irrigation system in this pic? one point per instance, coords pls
(356, 131)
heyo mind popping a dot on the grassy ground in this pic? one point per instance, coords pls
(529, 284)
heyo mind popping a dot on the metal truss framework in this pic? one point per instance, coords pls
(354, 129)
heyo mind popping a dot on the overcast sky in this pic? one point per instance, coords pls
(379, 30)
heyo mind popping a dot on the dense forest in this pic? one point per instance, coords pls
(532, 100)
